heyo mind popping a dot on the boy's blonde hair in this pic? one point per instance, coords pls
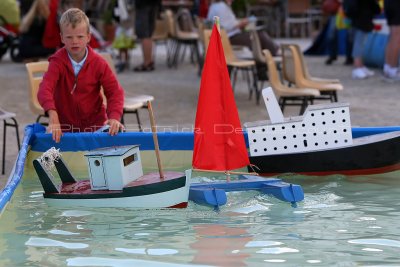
(73, 17)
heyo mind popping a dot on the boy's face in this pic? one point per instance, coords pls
(75, 40)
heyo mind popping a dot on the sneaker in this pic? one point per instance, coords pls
(349, 61)
(358, 74)
(389, 77)
(120, 67)
(143, 68)
(368, 71)
(330, 60)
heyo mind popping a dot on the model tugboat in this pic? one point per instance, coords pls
(115, 180)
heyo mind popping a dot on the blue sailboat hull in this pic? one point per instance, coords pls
(214, 194)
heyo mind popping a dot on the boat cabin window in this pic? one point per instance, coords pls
(128, 160)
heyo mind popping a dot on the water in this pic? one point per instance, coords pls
(342, 222)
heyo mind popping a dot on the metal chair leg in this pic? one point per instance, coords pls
(233, 79)
(15, 125)
(282, 103)
(303, 106)
(138, 121)
(17, 132)
(255, 85)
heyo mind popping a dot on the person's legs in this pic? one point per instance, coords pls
(332, 40)
(267, 42)
(392, 53)
(393, 47)
(359, 71)
(242, 39)
(30, 47)
(145, 24)
(147, 48)
(349, 47)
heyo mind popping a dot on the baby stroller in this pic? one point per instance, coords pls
(8, 40)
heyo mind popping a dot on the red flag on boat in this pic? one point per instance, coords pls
(219, 142)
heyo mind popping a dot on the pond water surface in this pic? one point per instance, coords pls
(342, 222)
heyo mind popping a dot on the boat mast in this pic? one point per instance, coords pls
(155, 139)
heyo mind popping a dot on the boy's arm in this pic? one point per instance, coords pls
(54, 126)
(47, 86)
(114, 94)
(46, 99)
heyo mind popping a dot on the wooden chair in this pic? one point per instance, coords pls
(160, 34)
(248, 67)
(35, 74)
(294, 73)
(288, 96)
(305, 71)
(133, 103)
(296, 13)
(183, 34)
(261, 67)
(6, 117)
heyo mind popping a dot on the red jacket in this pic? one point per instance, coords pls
(82, 109)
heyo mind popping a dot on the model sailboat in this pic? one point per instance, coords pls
(219, 143)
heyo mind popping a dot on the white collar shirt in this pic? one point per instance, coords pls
(77, 66)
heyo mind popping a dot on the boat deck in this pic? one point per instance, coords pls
(83, 186)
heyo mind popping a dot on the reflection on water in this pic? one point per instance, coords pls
(342, 222)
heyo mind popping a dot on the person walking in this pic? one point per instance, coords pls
(146, 14)
(338, 21)
(361, 13)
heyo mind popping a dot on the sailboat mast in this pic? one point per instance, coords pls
(155, 139)
(216, 22)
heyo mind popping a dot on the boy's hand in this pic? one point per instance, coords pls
(115, 127)
(54, 126)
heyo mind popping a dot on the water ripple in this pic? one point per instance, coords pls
(76, 213)
(46, 242)
(277, 250)
(61, 232)
(253, 244)
(97, 261)
(378, 241)
(153, 251)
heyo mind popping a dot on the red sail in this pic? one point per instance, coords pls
(219, 142)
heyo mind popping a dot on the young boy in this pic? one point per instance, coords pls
(70, 90)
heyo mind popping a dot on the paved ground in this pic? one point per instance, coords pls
(373, 102)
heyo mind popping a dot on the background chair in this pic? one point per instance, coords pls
(293, 72)
(248, 67)
(261, 66)
(305, 71)
(35, 74)
(288, 96)
(183, 34)
(160, 34)
(296, 14)
(6, 116)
